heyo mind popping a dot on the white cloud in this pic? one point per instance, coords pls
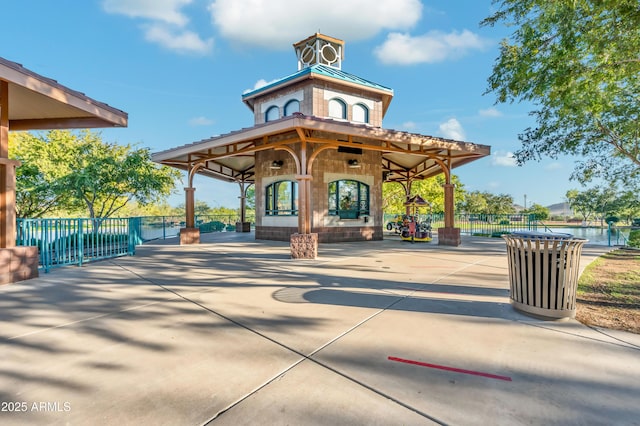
(200, 121)
(435, 46)
(490, 112)
(503, 159)
(156, 10)
(409, 125)
(452, 129)
(166, 24)
(178, 40)
(554, 166)
(260, 83)
(278, 23)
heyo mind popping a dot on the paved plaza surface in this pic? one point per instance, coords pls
(233, 331)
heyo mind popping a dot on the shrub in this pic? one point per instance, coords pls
(634, 238)
(498, 234)
(612, 219)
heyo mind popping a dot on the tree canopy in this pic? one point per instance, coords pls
(578, 62)
(604, 201)
(79, 172)
(487, 203)
(394, 196)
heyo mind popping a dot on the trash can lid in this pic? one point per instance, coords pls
(536, 235)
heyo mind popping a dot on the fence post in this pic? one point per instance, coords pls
(134, 231)
(80, 242)
(45, 254)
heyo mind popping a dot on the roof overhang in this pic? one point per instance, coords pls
(38, 103)
(231, 157)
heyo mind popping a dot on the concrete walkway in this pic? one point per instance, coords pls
(232, 331)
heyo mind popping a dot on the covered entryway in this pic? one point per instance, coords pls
(29, 101)
(305, 149)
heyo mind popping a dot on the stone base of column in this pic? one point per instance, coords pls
(18, 264)
(304, 246)
(449, 237)
(243, 226)
(189, 236)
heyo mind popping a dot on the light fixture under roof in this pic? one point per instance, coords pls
(354, 164)
(276, 165)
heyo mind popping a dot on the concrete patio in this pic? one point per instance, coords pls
(232, 331)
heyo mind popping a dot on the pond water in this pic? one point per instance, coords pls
(598, 236)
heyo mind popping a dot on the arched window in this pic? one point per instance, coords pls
(337, 109)
(348, 199)
(291, 107)
(273, 113)
(281, 198)
(360, 113)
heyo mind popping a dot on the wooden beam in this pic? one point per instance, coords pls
(62, 123)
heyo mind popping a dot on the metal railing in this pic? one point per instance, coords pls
(484, 225)
(163, 227)
(616, 236)
(76, 241)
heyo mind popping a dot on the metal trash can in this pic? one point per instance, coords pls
(543, 272)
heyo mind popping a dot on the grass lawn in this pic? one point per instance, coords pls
(609, 292)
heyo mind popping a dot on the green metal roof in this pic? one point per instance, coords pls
(323, 70)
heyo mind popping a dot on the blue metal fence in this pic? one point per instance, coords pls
(76, 241)
(481, 225)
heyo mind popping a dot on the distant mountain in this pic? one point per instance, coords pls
(558, 209)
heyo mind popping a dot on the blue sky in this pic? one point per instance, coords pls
(179, 68)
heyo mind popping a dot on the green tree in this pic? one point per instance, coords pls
(85, 174)
(627, 205)
(474, 202)
(540, 212)
(39, 190)
(596, 202)
(394, 196)
(499, 203)
(250, 200)
(577, 61)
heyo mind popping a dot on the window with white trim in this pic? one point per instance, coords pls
(360, 113)
(348, 199)
(291, 107)
(273, 113)
(281, 198)
(337, 109)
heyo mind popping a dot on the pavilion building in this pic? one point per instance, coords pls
(318, 156)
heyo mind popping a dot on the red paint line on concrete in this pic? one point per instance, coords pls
(456, 370)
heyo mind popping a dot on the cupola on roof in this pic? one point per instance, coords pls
(319, 49)
(320, 60)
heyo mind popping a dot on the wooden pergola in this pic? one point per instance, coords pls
(406, 157)
(29, 101)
